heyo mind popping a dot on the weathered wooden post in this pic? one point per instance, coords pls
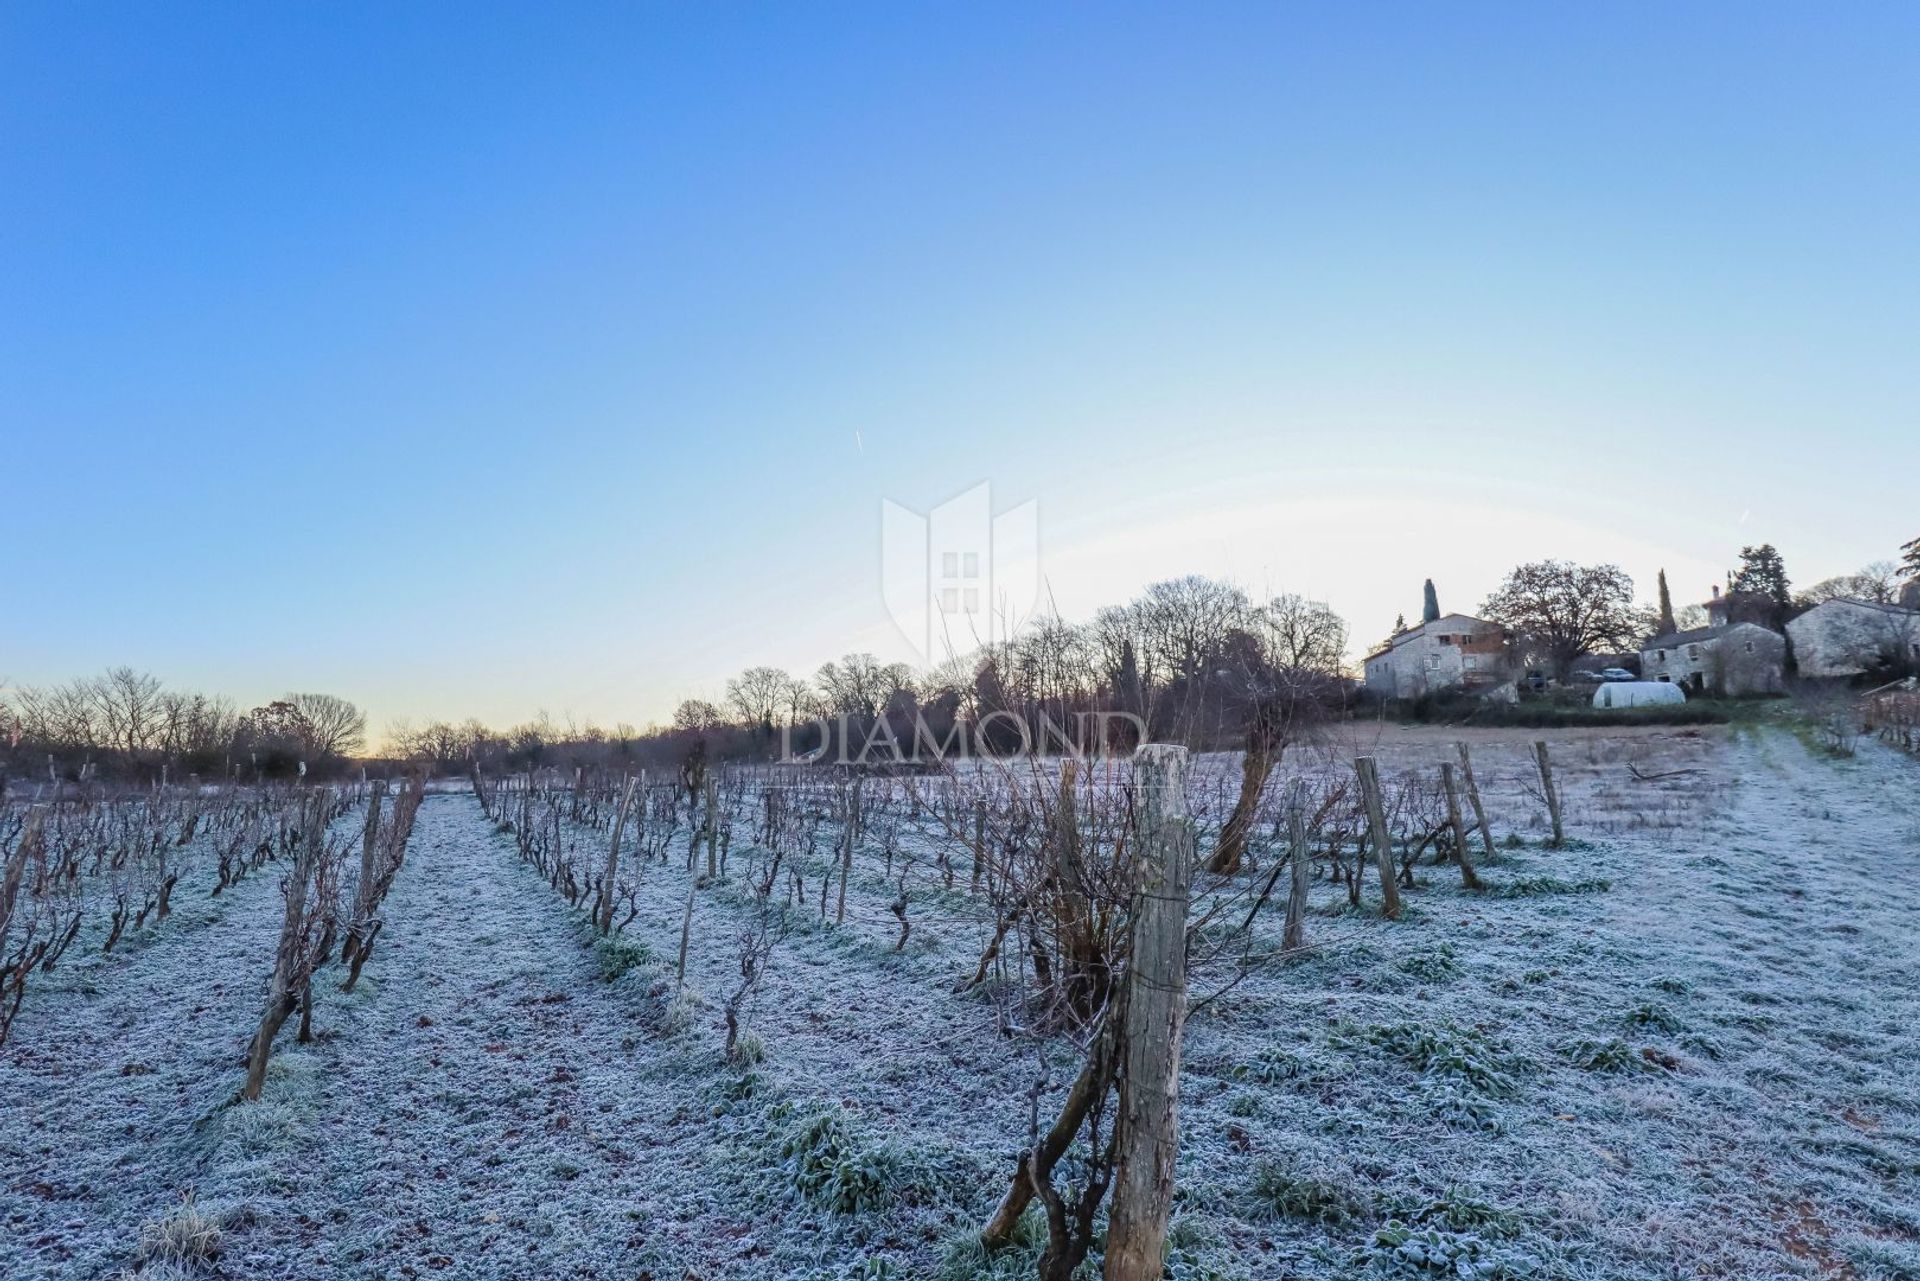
(686, 933)
(1368, 771)
(1553, 793)
(613, 858)
(358, 927)
(713, 830)
(1296, 935)
(1473, 799)
(846, 870)
(1146, 1134)
(979, 841)
(1459, 826)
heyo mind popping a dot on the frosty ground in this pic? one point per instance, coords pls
(1682, 1047)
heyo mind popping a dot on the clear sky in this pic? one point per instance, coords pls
(475, 360)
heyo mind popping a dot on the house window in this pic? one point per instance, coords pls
(1693, 652)
(1473, 663)
(1749, 647)
(1662, 654)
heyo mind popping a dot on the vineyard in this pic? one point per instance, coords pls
(1631, 1004)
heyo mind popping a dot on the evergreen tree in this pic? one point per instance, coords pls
(1910, 560)
(1667, 625)
(1762, 574)
(1430, 606)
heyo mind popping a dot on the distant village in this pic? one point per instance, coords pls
(1749, 637)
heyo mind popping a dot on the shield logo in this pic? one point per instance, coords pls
(959, 577)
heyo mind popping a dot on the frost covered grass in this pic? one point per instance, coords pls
(1681, 1047)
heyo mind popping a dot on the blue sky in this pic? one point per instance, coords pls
(477, 360)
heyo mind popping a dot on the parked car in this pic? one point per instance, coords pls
(1617, 674)
(1590, 678)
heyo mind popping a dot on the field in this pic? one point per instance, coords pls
(1686, 1044)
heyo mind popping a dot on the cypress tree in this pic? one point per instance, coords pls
(1667, 625)
(1430, 608)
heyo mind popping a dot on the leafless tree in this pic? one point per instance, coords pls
(761, 696)
(1878, 584)
(697, 715)
(860, 684)
(332, 726)
(1562, 611)
(1300, 635)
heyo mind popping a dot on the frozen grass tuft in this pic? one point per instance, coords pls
(832, 1166)
(1446, 1050)
(683, 1013)
(1401, 1250)
(1610, 1055)
(184, 1239)
(1283, 1190)
(748, 1050)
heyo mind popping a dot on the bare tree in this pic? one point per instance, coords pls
(1878, 584)
(860, 684)
(1188, 621)
(331, 726)
(129, 705)
(1300, 635)
(1562, 611)
(760, 695)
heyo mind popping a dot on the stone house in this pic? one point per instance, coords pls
(1453, 652)
(1844, 637)
(1727, 659)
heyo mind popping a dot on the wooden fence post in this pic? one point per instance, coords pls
(613, 858)
(1459, 826)
(1147, 1130)
(1296, 935)
(1553, 793)
(1368, 770)
(1473, 799)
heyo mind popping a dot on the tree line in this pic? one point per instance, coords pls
(127, 724)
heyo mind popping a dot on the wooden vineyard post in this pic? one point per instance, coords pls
(358, 927)
(1147, 1130)
(1473, 799)
(613, 857)
(1553, 793)
(713, 831)
(979, 841)
(1296, 935)
(686, 932)
(1452, 789)
(1368, 770)
(846, 869)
